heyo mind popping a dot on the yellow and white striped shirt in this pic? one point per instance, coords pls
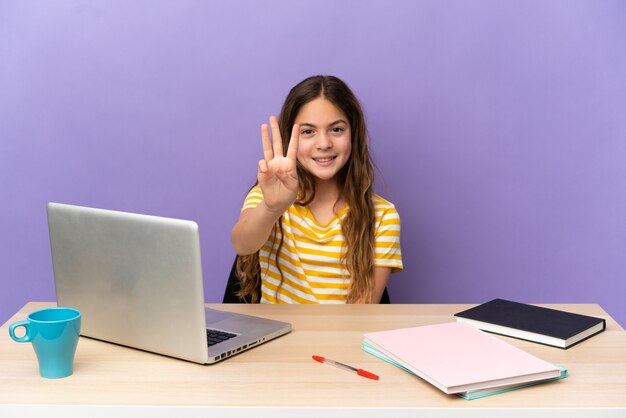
(310, 257)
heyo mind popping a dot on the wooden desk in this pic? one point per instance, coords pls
(279, 378)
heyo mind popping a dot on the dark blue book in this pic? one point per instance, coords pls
(533, 323)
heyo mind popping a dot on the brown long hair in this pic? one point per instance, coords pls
(355, 182)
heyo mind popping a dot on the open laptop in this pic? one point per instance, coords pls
(137, 280)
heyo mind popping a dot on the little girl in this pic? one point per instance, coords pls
(312, 230)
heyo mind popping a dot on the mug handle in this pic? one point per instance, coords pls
(26, 338)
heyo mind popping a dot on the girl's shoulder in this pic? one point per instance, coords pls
(386, 217)
(256, 190)
(253, 198)
(381, 203)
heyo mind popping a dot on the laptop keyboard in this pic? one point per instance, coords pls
(214, 336)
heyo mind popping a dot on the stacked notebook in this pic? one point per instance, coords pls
(460, 359)
(533, 323)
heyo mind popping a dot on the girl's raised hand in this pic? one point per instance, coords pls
(277, 175)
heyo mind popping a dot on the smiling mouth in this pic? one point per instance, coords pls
(324, 159)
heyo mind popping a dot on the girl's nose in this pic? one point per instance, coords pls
(324, 141)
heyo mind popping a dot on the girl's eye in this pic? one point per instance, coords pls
(337, 129)
(306, 132)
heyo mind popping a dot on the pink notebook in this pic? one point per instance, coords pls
(456, 357)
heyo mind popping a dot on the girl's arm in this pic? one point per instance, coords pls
(278, 178)
(253, 228)
(381, 277)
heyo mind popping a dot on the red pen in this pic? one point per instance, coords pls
(360, 372)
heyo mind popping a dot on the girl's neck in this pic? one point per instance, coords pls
(327, 195)
(326, 190)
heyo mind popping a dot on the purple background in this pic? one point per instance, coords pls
(498, 126)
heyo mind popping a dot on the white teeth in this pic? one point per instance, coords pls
(324, 160)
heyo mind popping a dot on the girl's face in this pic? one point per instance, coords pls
(325, 141)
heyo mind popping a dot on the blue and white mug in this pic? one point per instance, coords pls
(54, 334)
